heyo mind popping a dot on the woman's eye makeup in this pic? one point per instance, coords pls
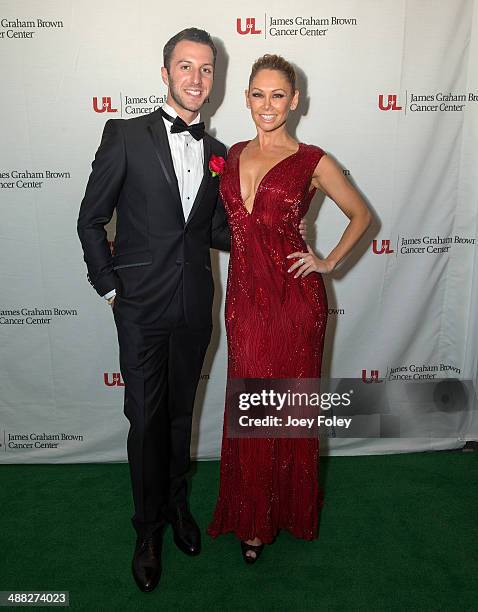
(257, 94)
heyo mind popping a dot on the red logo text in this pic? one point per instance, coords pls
(250, 27)
(113, 379)
(106, 105)
(385, 248)
(392, 103)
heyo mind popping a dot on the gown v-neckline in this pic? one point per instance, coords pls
(238, 170)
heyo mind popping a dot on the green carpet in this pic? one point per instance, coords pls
(397, 532)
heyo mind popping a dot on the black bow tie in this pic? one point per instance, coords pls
(196, 130)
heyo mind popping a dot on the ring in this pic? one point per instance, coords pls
(301, 260)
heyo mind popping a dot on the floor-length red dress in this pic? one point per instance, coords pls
(275, 327)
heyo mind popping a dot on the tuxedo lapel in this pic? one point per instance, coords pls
(205, 178)
(158, 134)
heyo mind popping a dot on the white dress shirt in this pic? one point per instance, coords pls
(188, 162)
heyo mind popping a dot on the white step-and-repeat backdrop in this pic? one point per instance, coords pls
(389, 88)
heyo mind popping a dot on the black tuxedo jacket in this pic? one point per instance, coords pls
(155, 247)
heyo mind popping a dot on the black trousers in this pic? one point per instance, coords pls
(161, 365)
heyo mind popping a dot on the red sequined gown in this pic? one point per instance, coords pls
(275, 329)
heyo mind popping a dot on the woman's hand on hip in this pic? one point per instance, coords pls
(309, 262)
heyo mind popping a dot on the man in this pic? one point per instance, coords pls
(154, 170)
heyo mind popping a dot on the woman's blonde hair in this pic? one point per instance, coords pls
(274, 62)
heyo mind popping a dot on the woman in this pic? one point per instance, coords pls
(276, 306)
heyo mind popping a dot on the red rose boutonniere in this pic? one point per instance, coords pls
(216, 165)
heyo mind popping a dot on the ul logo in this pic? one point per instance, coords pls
(106, 106)
(250, 26)
(116, 380)
(385, 248)
(374, 376)
(391, 102)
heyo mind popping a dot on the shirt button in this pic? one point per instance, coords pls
(188, 197)
(189, 170)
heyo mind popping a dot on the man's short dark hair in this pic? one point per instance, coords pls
(192, 35)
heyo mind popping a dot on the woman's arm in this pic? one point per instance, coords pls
(329, 178)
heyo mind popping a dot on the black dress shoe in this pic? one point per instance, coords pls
(187, 536)
(146, 564)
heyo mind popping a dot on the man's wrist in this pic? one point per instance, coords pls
(110, 296)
